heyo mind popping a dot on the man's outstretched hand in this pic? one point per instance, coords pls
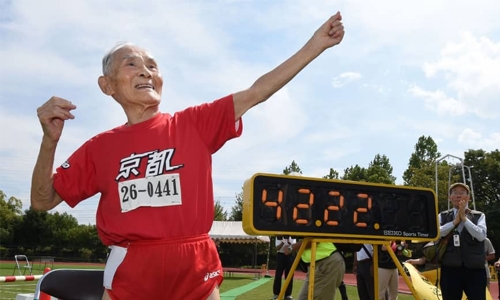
(330, 33)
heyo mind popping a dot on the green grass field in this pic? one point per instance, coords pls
(9, 290)
(264, 292)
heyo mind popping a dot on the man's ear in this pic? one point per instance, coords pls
(105, 85)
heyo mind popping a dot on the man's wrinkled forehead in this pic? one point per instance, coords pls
(130, 52)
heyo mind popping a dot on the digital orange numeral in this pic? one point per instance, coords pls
(329, 208)
(362, 209)
(273, 203)
(303, 206)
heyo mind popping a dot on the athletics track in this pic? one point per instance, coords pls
(349, 279)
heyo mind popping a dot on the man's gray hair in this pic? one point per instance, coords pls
(108, 58)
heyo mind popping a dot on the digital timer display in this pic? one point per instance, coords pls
(305, 206)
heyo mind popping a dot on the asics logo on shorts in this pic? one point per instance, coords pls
(212, 275)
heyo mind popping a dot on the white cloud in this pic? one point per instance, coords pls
(438, 101)
(475, 140)
(471, 70)
(379, 88)
(418, 28)
(345, 78)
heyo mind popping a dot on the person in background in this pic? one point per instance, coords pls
(417, 261)
(342, 286)
(154, 172)
(284, 263)
(343, 291)
(329, 271)
(363, 269)
(462, 266)
(217, 244)
(489, 253)
(497, 268)
(388, 277)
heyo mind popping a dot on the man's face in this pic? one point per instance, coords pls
(458, 194)
(135, 77)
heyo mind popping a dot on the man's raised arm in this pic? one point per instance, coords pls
(52, 115)
(327, 36)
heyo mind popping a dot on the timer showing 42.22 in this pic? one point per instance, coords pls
(305, 206)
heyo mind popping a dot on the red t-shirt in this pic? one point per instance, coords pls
(155, 177)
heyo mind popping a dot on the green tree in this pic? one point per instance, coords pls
(82, 238)
(426, 153)
(85, 254)
(380, 170)
(485, 171)
(43, 233)
(355, 173)
(32, 232)
(59, 225)
(237, 209)
(12, 203)
(421, 171)
(219, 213)
(292, 168)
(332, 175)
(10, 216)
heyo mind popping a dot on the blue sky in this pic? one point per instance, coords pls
(405, 69)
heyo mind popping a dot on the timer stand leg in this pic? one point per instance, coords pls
(292, 269)
(375, 271)
(403, 273)
(312, 267)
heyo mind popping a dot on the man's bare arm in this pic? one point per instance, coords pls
(52, 115)
(43, 195)
(328, 35)
(490, 256)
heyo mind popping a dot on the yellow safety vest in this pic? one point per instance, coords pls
(323, 250)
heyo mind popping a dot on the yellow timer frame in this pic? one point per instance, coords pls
(316, 207)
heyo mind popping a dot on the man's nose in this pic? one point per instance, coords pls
(145, 72)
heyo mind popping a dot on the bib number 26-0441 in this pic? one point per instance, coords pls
(162, 190)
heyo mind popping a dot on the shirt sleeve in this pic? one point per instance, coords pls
(74, 180)
(488, 247)
(477, 231)
(216, 122)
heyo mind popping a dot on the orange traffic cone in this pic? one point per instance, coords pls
(44, 296)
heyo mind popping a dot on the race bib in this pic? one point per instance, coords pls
(156, 191)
